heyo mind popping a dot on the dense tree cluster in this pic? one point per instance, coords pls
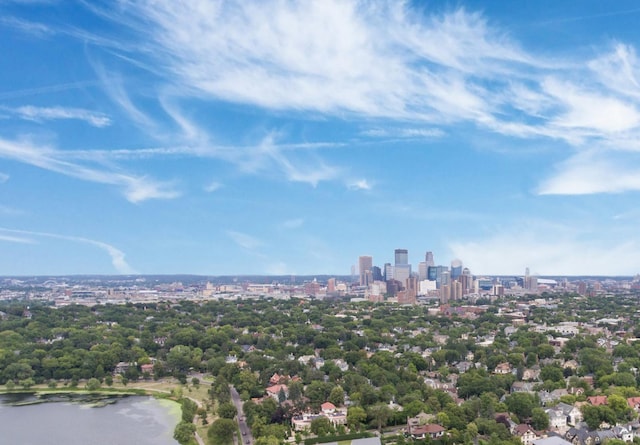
(388, 356)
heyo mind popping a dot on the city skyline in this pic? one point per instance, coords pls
(271, 138)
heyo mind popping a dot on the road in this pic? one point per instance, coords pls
(245, 432)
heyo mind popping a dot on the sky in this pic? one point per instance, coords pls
(290, 137)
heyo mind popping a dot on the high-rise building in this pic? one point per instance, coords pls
(428, 258)
(456, 290)
(402, 268)
(388, 272)
(365, 264)
(376, 273)
(466, 280)
(434, 273)
(401, 256)
(422, 270)
(456, 268)
(445, 278)
(445, 294)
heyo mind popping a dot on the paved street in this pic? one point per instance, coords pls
(245, 432)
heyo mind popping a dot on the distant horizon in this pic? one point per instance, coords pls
(311, 276)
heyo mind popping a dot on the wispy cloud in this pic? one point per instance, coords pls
(16, 239)
(594, 172)
(212, 187)
(117, 256)
(135, 188)
(411, 133)
(113, 85)
(48, 89)
(245, 241)
(310, 170)
(4, 177)
(548, 249)
(35, 29)
(40, 114)
(360, 184)
(422, 71)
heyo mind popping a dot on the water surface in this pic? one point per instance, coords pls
(86, 420)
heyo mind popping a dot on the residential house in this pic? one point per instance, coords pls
(122, 367)
(547, 397)
(573, 414)
(523, 387)
(551, 440)
(597, 400)
(532, 373)
(147, 369)
(432, 430)
(503, 368)
(526, 434)
(557, 418)
(275, 392)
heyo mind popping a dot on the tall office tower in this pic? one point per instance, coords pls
(422, 270)
(402, 256)
(365, 264)
(445, 278)
(466, 280)
(428, 258)
(388, 272)
(445, 294)
(456, 268)
(376, 273)
(331, 285)
(402, 268)
(456, 290)
(434, 273)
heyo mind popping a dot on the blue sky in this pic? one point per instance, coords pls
(281, 137)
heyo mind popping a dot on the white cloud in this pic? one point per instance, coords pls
(243, 240)
(39, 114)
(114, 87)
(412, 133)
(4, 177)
(135, 188)
(16, 239)
(548, 250)
(360, 184)
(212, 187)
(26, 26)
(370, 61)
(591, 172)
(310, 170)
(588, 110)
(117, 256)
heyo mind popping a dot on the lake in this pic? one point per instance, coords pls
(87, 420)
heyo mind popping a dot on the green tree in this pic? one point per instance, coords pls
(521, 404)
(321, 426)
(539, 419)
(337, 396)
(356, 416)
(227, 410)
(183, 432)
(221, 431)
(93, 384)
(380, 415)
